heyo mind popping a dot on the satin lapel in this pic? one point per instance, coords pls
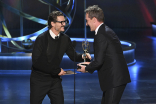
(101, 29)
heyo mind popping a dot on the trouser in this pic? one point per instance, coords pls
(113, 95)
(44, 84)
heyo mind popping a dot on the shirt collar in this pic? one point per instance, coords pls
(52, 34)
(97, 29)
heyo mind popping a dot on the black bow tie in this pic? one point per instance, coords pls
(56, 37)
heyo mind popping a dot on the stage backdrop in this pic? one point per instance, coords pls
(118, 14)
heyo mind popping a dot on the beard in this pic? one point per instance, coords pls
(59, 29)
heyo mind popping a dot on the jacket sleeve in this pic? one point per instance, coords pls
(72, 53)
(39, 60)
(99, 53)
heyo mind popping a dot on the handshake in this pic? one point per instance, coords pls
(81, 66)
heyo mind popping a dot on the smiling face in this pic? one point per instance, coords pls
(90, 22)
(58, 26)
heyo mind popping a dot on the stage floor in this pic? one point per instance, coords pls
(14, 88)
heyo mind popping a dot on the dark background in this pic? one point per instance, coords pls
(122, 16)
(130, 19)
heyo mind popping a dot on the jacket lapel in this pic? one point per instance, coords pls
(101, 29)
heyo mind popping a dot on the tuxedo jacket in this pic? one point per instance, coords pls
(108, 60)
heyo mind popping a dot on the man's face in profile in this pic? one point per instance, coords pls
(90, 22)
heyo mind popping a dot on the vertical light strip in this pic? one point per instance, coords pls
(85, 32)
(49, 9)
(154, 47)
(60, 2)
(21, 19)
(0, 44)
(0, 34)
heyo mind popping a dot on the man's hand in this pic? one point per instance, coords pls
(87, 56)
(82, 68)
(62, 72)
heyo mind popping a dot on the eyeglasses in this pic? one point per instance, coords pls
(62, 22)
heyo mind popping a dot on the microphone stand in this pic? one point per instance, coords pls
(74, 76)
(74, 44)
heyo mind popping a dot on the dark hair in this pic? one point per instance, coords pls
(95, 11)
(53, 17)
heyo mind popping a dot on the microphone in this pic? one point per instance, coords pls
(74, 44)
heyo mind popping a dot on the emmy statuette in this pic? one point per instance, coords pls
(86, 48)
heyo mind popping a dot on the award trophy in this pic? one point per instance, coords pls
(86, 48)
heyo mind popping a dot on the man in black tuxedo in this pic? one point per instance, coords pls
(108, 60)
(47, 54)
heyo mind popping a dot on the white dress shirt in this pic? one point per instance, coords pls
(52, 34)
(97, 29)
